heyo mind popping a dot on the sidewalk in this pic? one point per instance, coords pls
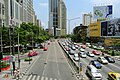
(24, 67)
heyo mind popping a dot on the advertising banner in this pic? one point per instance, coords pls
(110, 28)
(94, 29)
(102, 12)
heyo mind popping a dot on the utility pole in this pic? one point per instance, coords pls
(2, 24)
(11, 28)
(18, 51)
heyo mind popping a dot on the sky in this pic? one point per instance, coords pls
(75, 9)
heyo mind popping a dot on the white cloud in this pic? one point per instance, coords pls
(44, 4)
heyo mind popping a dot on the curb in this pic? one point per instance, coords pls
(73, 67)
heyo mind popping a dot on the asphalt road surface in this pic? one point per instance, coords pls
(51, 65)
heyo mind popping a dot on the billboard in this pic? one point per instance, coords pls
(102, 12)
(110, 28)
(94, 29)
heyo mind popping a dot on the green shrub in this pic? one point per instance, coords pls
(28, 59)
(4, 64)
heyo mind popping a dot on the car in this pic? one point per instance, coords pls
(96, 52)
(93, 72)
(83, 46)
(48, 42)
(73, 48)
(81, 49)
(109, 59)
(41, 46)
(76, 46)
(33, 53)
(90, 54)
(102, 60)
(67, 48)
(113, 76)
(72, 52)
(96, 64)
(75, 55)
(76, 58)
(45, 48)
(83, 54)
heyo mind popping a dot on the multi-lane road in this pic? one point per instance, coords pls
(51, 65)
(110, 67)
(114, 67)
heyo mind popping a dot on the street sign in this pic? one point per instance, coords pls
(80, 64)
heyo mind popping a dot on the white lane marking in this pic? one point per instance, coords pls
(55, 79)
(29, 77)
(38, 78)
(46, 78)
(45, 65)
(56, 60)
(34, 77)
(33, 64)
(42, 78)
(50, 78)
(114, 66)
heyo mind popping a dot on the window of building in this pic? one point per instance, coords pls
(16, 11)
(3, 9)
(0, 8)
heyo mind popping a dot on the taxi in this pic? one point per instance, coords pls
(113, 76)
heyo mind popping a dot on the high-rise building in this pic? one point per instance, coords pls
(63, 18)
(57, 17)
(18, 11)
(2, 12)
(87, 20)
(28, 11)
(13, 12)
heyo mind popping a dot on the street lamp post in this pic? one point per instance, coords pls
(18, 51)
(69, 23)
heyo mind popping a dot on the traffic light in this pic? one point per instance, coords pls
(1, 56)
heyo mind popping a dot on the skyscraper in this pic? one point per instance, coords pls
(57, 17)
(18, 11)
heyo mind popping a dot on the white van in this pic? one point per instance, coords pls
(93, 72)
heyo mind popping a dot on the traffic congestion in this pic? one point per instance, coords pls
(96, 64)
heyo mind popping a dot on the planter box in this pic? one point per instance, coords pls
(6, 68)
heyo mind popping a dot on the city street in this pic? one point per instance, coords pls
(110, 67)
(51, 65)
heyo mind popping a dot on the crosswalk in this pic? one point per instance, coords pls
(36, 77)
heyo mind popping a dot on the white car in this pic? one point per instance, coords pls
(82, 50)
(102, 60)
(76, 58)
(73, 48)
(76, 46)
(90, 54)
(93, 72)
(83, 54)
(72, 52)
(75, 55)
